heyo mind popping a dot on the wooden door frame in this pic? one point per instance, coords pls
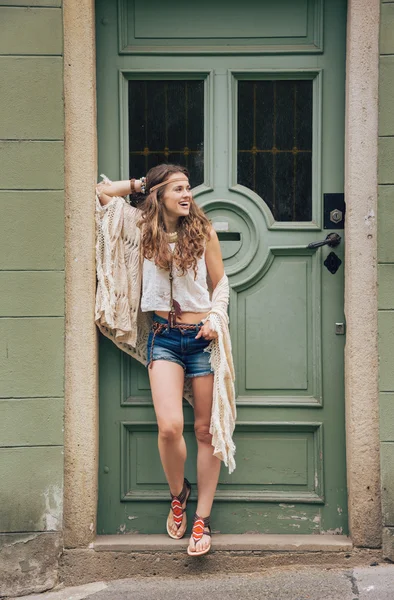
(81, 347)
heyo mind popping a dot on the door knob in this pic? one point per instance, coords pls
(333, 240)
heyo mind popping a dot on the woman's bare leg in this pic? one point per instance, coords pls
(166, 381)
(208, 466)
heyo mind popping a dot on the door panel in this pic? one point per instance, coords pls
(262, 135)
(223, 26)
(284, 293)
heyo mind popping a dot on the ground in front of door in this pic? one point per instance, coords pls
(295, 583)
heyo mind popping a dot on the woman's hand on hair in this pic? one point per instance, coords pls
(207, 332)
(106, 191)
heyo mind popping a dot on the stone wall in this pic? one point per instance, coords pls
(386, 270)
(31, 294)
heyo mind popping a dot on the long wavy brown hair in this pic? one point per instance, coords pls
(193, 230)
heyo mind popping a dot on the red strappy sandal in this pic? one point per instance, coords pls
(200, 527)
(178, 512)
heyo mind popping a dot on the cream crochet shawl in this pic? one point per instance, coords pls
(118, 316)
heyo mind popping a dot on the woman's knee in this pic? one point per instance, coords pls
(171, 431)
(202, 434)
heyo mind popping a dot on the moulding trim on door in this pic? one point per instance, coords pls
(125, 75)
(280, 400)
(234, 207)
(263, 267)
(130, 393)
(231, 496)
(316, 399)
(314, 496)
(313, 45)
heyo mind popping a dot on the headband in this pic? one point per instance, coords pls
(159, 185)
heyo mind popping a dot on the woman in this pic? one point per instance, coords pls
(178, 249)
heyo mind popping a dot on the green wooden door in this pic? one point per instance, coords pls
(248, 97)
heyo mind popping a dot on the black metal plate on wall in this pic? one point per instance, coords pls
(334, 211)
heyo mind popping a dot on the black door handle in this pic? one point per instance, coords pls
(333, 240)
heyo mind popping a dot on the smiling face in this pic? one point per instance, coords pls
(177, 196)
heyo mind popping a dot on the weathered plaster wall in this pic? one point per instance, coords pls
(31, 294)
(386, 270)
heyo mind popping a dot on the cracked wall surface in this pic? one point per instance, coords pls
(28, 562)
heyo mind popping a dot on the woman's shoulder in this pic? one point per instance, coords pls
(213, 239)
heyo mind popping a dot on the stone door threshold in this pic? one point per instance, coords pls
(221, 542)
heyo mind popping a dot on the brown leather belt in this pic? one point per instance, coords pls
(158, 328)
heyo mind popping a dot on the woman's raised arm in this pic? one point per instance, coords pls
(106, 191)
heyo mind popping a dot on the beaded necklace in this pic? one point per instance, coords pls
(172, 237)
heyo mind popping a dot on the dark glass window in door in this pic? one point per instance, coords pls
(166, 125)
(275, 145)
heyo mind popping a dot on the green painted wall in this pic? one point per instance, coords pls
(386, 269)
(31, 266)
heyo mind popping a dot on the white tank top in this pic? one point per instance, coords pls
(192, 294)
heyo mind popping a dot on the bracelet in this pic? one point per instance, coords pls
(143, 185)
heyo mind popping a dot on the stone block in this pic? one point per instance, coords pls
(386, 286)
(32, 357)
(28, 30)
(388, 543)
(32, 97)
(386, 83)
(28, 562)
(386, 223)
(385, 346)
(386, 160)
(386, 414)
(31, 492)
(386, 38)
(40, 217)
(30, 2)
(31, 422)
(82, 566)
(387, 477)
(33, 165)
(245, 542)
(31, 293)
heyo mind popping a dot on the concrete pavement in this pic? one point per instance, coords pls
(282, 583)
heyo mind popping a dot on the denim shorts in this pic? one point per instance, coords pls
(180, 347)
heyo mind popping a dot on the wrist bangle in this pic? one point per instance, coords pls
(143, 185)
